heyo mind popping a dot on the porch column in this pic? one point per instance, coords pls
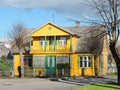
(45, 43)
(31, 42)
(54, 43)
(70, 43)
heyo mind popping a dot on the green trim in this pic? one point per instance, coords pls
(79, 62)
(31, 42)
(32, 61)
(70, 43)
(54, 43)
(45, 43)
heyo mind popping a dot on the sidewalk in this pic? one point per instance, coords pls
(81, 81)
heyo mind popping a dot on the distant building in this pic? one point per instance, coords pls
(3, 50)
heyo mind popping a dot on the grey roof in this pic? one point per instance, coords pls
(3, 50)
(87, 35)
(15, 49)
(80, 30)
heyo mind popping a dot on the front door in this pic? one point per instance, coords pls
(50, 66)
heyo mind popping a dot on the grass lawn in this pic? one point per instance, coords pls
(111, 86)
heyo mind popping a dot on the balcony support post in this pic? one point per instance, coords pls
(70, 43)
(45, 43)
(30, 43)
(54, 43)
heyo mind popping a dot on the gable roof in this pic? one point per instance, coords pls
(62, 28)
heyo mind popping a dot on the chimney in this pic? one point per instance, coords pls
(77, 23)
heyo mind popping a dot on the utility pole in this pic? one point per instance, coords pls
(53, 17)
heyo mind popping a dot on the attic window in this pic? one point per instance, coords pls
(49, 28)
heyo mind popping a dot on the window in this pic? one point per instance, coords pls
(39, 61)
(62, 59)
(62, 41)
(28, 61)
(84, 61)
(31, 41)
(51, 40)
(42, 41)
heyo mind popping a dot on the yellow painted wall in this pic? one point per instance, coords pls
(75, 70)
(74, 42)
(16, 64)
(103, 59)
(36, 41)
(38, 70)
(105, 56)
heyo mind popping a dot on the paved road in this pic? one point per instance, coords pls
(50, 84)
(34, 84)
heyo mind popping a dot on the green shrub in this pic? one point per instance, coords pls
(5, 67)
(5, 64)
(66, 67)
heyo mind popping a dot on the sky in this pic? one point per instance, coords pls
(34, 13)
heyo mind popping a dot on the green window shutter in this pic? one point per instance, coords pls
(45, 43)
(54, 43)
(78, 61)
(70, 43)
(31, 42)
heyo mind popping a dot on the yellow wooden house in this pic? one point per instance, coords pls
(53, 51)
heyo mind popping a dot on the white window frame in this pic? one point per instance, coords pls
(62, 59)
(62, 40)
(51, 40)
(83, 61)
(39, 61)
(42, 41)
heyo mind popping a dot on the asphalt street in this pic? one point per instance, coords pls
(34, 84)
(50, 83)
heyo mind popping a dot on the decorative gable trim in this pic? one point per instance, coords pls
(61, 28)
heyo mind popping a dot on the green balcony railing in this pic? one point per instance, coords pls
(50, 48)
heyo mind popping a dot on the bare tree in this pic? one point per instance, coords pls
(19, 35)
(109, 15)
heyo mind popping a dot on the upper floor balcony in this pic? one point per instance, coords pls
(51, 49)
(51, 44)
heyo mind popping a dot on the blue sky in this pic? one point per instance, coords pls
(34, 13)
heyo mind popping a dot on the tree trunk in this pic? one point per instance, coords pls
(22, 64)
(95, 68)
(95, 65)
(116, 58)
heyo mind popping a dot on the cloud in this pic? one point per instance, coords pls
(70, 7)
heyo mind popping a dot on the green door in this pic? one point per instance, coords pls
(50, 66)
